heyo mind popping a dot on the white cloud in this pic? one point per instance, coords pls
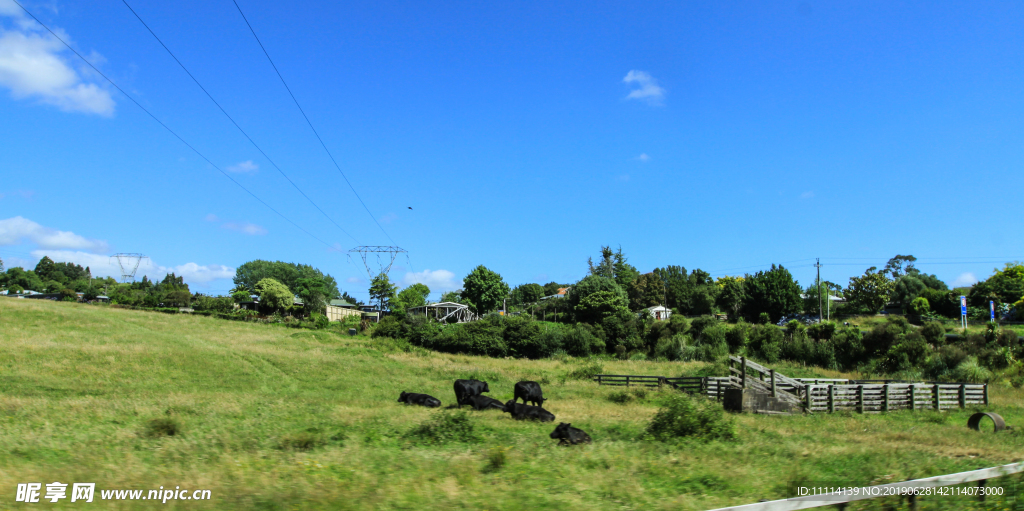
(643, 157)
(14, 231)
(437, 280)
(105, 266)
(807, 195)
(245, 167)
(647, 87)
(965, 279)
(32, 66)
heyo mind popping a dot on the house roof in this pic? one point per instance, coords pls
(342, 303)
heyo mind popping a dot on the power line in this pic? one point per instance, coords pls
(304, 116)
(161, 123)
(246, 135)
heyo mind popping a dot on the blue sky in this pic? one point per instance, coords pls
(524, 136)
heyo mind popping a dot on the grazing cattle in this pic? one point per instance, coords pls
(484, 403)
(465, 389)
(521, 412)
(568, 435)
(412, 398)
(529, 391)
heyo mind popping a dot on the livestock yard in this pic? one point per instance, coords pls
(268, 417)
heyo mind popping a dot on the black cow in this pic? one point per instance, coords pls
(521, 412)
(484, 403)
(529, 391)
(412, 398)
(568, 435)
(468, 388)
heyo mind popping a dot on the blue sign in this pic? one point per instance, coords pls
(992, 309)
(963, 305)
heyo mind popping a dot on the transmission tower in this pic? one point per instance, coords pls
(129, 264)
(382, 254)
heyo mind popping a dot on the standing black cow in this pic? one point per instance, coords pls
(529, 391)
(568, 435)
(468, 388)
(484, 403)
(521, 412)
(412, 398)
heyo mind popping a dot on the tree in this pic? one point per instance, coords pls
(382, 290)
(692, 294)
(1004, 286)
(870, 292)
(412, 296)
(483, 290)
(595, 310)
(526, 293)
(900, 265)
(274, 294)
(773, 292)
(313, 293)
(452, 296)
(350, 299)
(913, 284)
(645, 291)
(732, 292)
(613, 265)
(1, 265)
(289, 274)
(44, 268)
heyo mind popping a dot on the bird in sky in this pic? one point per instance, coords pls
(410, 207)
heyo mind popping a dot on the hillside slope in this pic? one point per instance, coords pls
(268, 417)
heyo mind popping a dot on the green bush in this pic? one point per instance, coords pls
(670, 348)
(908, 352)
(934, 333)
(584, 372)
(737, 336)
(766, 342)
(446, 426)
(970, 371)
(684, 416)
(579, 341)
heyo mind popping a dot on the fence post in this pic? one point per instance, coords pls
(773, 383)
(935, 391)
(981, 490)
(885, 397)
(627, 380)
(831, 399)
(963, 395)
(913, 397)
(984, 393)
(807, 398)
(599, 378)
(743, 372)
(860, 399)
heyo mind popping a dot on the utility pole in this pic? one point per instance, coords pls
(817, 264)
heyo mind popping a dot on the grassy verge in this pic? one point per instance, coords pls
(276, 418)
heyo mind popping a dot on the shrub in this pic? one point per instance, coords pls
(496, 458)
(390, 326)
(698, 325)
(736, 337)
(301, 441)
(444, 427)
(970, 371)
(522, 335)
(684, 416)
(766, 342)
(579, 341)
(941, 364)
(821, 331)
(933, 332)
(584, 372)
(909, 352)
(670, 348)
(162, 426)
(764, 318)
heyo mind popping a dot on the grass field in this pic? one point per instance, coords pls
(267, 417)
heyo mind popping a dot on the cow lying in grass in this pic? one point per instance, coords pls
(568, 435)
(412, 398)
(521, 412)
(484, 403)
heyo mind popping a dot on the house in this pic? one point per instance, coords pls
(338, 310)
(659, 312)
(560, 294)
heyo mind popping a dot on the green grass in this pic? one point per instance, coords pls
(268, 417)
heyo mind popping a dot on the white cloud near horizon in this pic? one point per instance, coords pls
(14, 231)
(105, 266)
(438, 281)
(647, 88)
(643, 157)
(33, 65)
(245, 167)
(965, 279)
